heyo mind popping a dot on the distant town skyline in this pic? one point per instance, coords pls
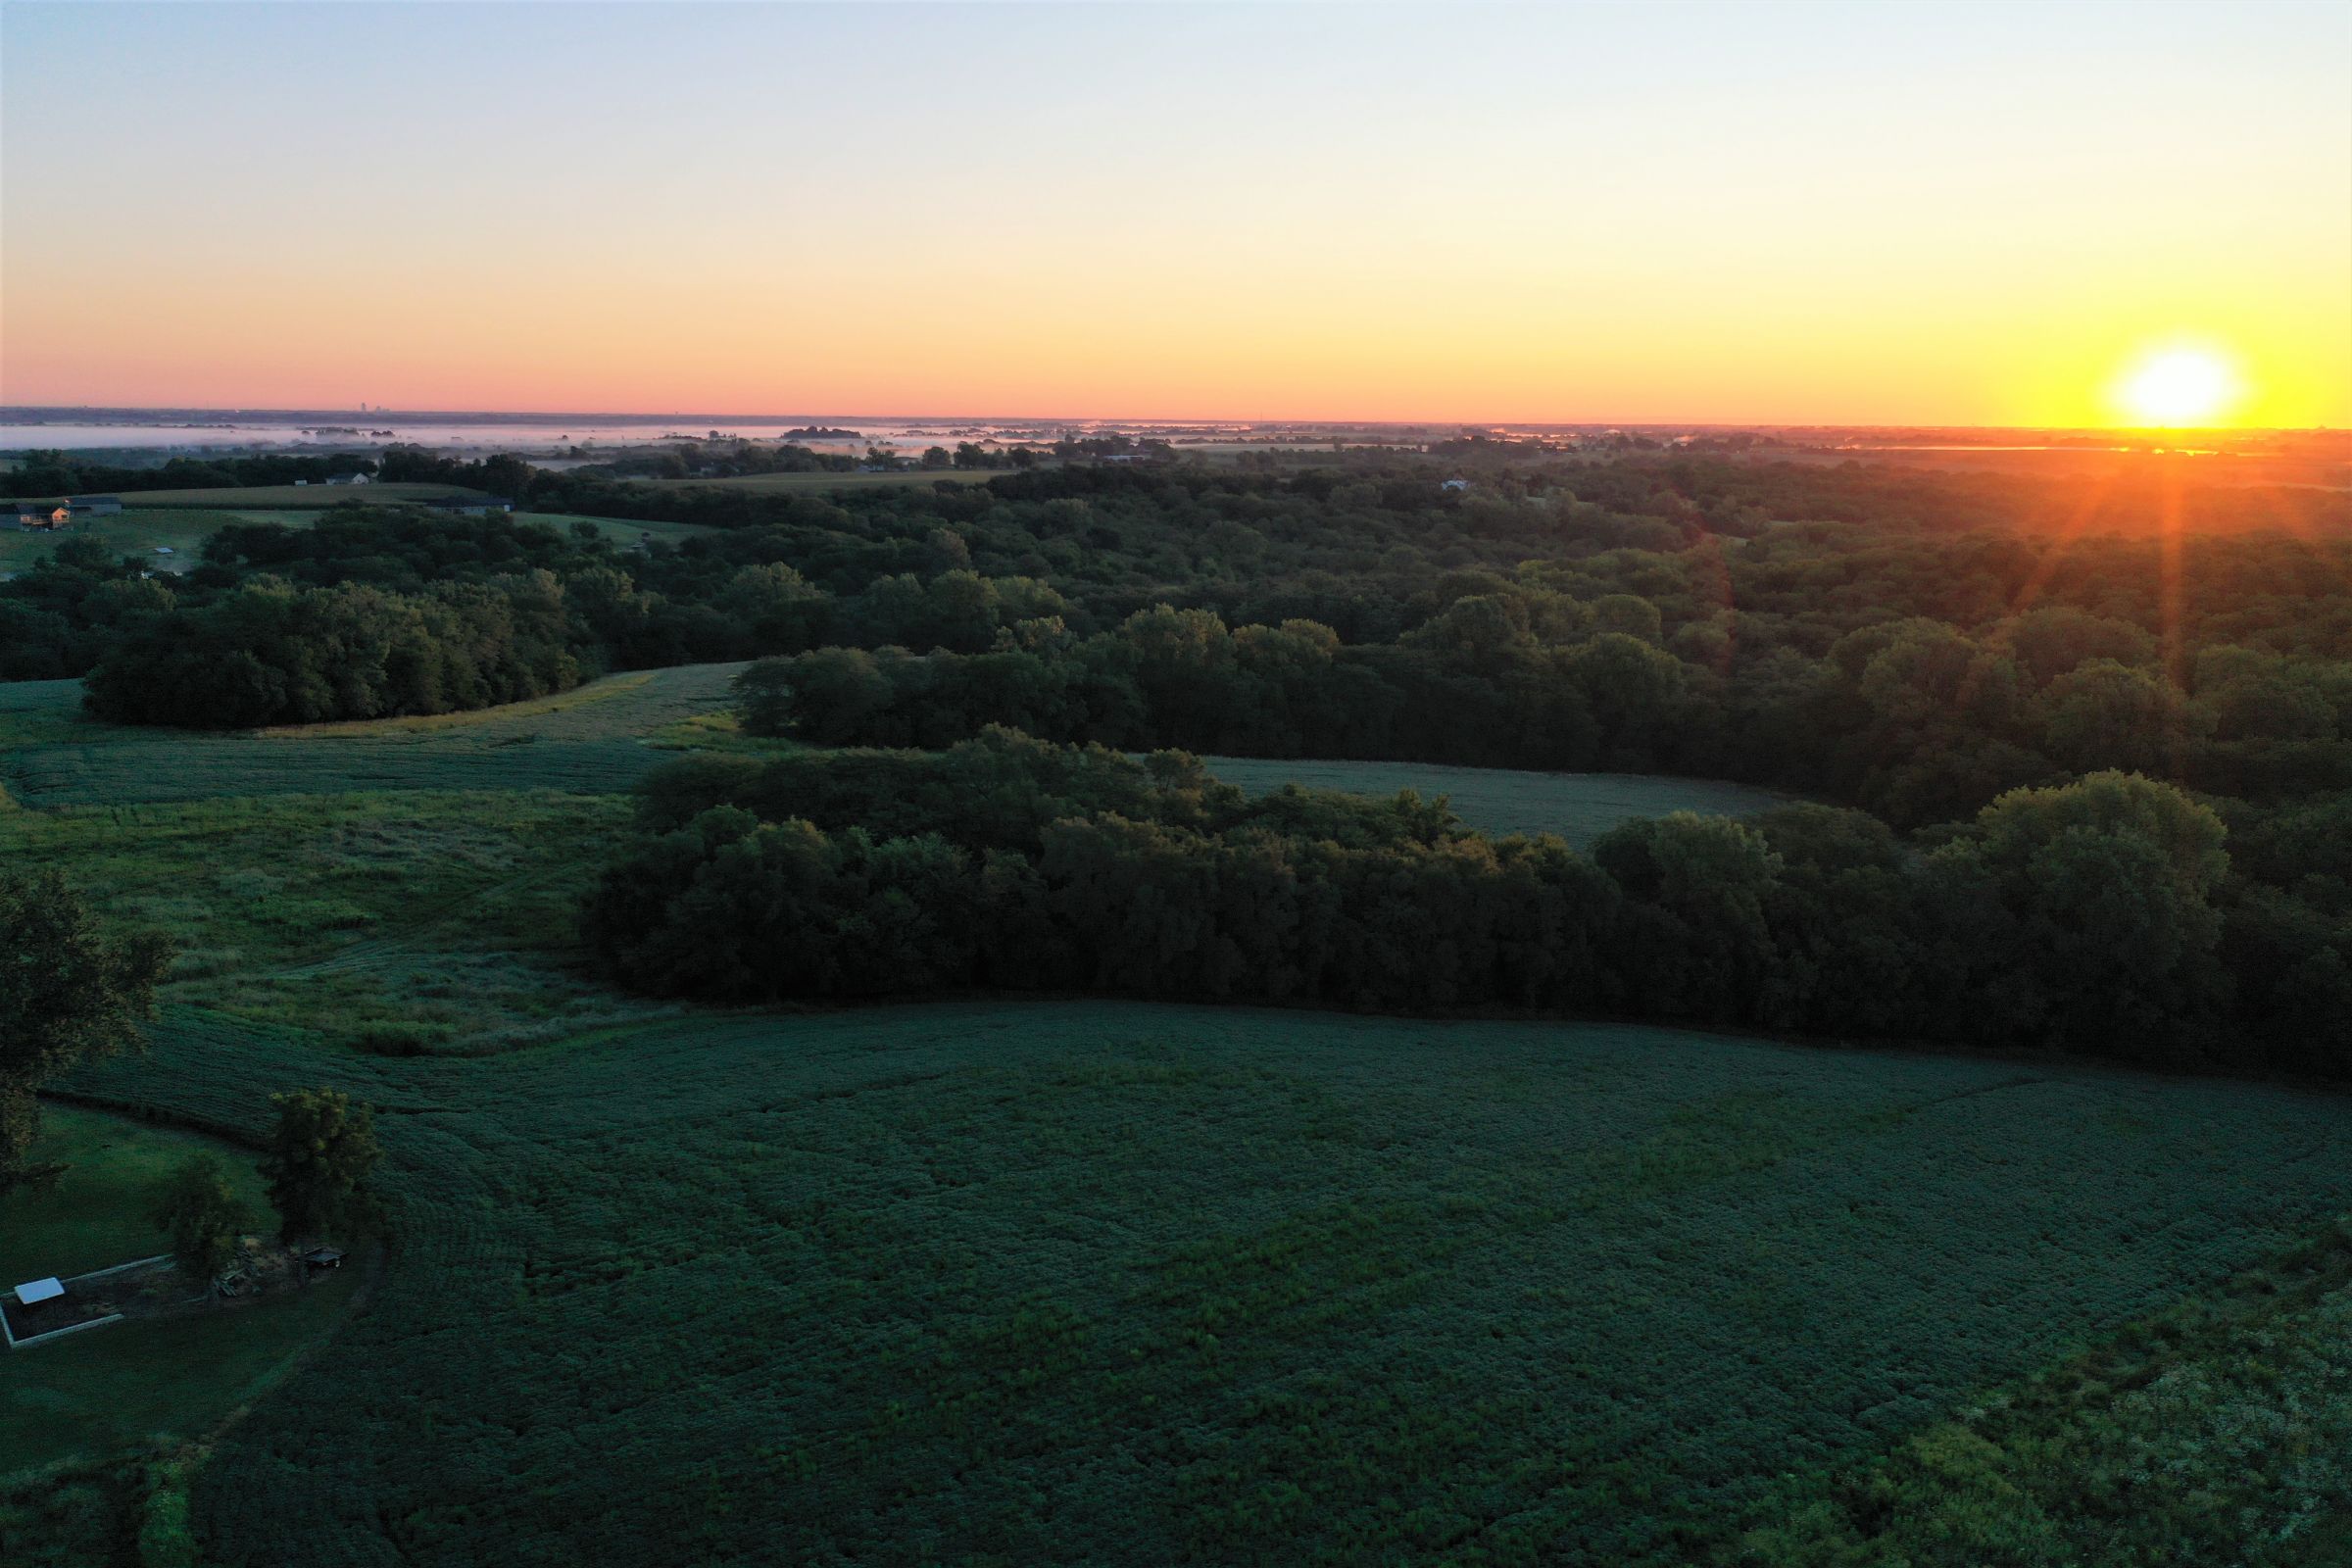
(1849, 214)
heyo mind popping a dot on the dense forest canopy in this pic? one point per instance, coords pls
(1953, 655)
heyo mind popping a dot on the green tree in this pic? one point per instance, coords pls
(204, 1216)
(68, 993)
(321, 1154)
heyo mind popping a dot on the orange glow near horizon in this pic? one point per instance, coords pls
(1785, 217)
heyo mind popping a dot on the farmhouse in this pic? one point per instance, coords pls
(40, 515)
(347, 478)
(467, 505)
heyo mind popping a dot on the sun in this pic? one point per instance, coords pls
(2178, 387)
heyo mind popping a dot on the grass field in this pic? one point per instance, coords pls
(1125, 1283)
(403, 921)
(828, 481)
(1579, 807)
(298, 496)
(130, 1383)
(129, 532)
(96, 1214)
(620, 530)
(590, 740)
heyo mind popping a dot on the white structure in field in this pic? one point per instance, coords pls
(31, 1290)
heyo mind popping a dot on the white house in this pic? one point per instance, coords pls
(347, 478)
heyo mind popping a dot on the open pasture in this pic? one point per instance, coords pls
(591, 740)
(1578, 806)
(132, 532)
(1037, 1281)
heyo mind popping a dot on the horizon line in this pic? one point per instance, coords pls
(10, 409)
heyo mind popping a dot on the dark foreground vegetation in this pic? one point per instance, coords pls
(1127, 1283)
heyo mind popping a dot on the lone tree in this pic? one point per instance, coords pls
(68, 993)
(320, 1155)
(204, 1214)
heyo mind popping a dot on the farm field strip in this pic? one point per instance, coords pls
(1578, 806)
(288, 496)
(1194, 1281)
(587, 741)
(819, 482)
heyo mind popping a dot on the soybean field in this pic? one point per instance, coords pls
(1132, 1283)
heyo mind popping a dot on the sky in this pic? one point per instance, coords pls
(1977, 214)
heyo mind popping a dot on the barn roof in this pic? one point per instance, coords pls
(32, 1290)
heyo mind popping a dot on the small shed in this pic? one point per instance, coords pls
(33, 1292)
(320, 1258)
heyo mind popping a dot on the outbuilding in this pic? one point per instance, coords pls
(93, 506)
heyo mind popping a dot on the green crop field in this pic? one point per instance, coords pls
(132, 532)
(1131, 1283)
(594, 739)
(1578, 806)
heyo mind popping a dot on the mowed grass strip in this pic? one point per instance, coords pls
(96, 1214)
(1124, 1283)
(1578, 806)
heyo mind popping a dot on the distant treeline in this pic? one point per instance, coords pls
(1627, 615)
(2101, 916)
(52, 472)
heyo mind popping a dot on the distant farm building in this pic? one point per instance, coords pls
(93, 506)
(347, 478)
(1454, 487)
(41, 515)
